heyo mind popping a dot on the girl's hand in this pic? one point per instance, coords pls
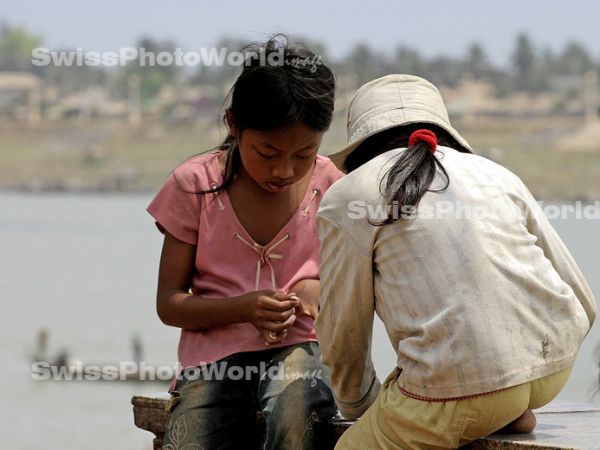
(307, 291)
(271, 313)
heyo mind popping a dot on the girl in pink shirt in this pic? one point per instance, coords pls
(240, 263)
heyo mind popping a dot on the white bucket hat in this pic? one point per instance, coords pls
(392, 101)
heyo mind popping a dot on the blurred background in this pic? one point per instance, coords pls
(84, 147)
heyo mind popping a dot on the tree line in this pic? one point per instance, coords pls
(531, 68)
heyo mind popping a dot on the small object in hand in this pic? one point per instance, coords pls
(273, 335)
(295, 298)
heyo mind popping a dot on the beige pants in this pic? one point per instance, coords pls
(395, 421)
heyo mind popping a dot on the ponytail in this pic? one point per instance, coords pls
(412, 174)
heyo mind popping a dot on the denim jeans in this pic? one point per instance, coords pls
(215, 406)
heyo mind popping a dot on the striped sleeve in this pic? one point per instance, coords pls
(346, 291)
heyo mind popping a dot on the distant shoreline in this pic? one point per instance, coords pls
(53, 190)
(102, 158)
(149, 191)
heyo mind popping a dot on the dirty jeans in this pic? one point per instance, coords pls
(214, 407)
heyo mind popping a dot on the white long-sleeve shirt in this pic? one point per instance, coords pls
(477, 293)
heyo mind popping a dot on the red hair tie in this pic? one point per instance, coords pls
(426, 136)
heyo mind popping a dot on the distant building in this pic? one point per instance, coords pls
(15, 83)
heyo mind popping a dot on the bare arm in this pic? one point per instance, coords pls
(266, 310)
(308, 291)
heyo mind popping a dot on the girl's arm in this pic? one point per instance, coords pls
(268, 311)
(308, 291)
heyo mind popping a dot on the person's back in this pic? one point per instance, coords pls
(454, 276)
(482, 301)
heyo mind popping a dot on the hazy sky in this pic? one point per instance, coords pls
(432, 27)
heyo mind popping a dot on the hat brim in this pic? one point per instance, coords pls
(394, 119)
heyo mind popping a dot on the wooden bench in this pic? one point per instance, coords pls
(560, 426)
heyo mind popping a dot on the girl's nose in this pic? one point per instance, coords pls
(283, 170)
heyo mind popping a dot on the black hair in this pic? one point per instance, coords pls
(281, 84)
(412, 173)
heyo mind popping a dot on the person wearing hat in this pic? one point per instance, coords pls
(482, 302)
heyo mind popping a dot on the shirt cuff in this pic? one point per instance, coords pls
(356, 409)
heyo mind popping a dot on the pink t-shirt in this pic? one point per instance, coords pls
(228, 261)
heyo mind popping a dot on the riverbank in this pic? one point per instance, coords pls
(108, 157)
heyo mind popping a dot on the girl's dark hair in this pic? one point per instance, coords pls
(412, 173)
(281, 84)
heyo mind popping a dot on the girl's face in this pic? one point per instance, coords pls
(275, 160)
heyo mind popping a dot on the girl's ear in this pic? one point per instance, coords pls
(233, 130)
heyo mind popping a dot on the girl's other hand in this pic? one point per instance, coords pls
(271, 313)
(307, 292)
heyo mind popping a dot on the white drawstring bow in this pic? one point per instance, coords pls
(265, 257)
